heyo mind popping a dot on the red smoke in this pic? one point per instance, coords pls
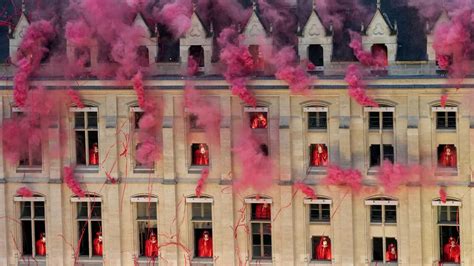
(287, 70)
(377, 59)
(75, 98)
(444, 100)
(201, 182)
(29, 55)
(239, 64)
(176, 15)
(392, 176)
(343, 177)
(24, 192)
(208, 113)
(307, 190)
(356, 87)
(72, 183)
(257, 169)
(442, 194)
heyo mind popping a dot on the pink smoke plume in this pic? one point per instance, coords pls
(239, 64)
(176, 15)
(307, 190)
(148, 150)
(337, 12)
(444, 100)
(207, 112)
(356, 87)
(377, 58)
(193, 66)
(29, 55)
(24, 192)
(201, 182)
(71, 182)
(442, 194)
(287, 70)
(257, 167)
(75, 97)
(392, 176)
(343, 177)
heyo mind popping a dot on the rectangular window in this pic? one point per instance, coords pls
(317, 120)
(258, 120)
(377, 249)
(319, 213)
(390, 214)
(31, 157)
(378, 119)
(321, 247)
(261, 230)
(377, 155)
(385, 213)
(147, 229)
(33, 228)
(447, 156)
(87, 138)
(201, 217)
(193, 122)
(89, 229)
(445, 120)
(449, 238)
(384, 252)
(200, 154)
(376, 213)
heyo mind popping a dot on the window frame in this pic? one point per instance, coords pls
(86, 130)
(261, 224)
(449, 204)
(382, 155)
(18, 112)
(136, 201)
(19, 200)
(200, 223)
(250, 111)
(320, 201)
(317, 110)
(380, 111)
(89, 200)
(383, 203)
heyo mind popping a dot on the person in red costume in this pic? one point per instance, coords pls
(259, 121)
(262, 211)
(448, 157)
(323, 250)
(98, 249)
(41, 245)
(320, 155)
(151, 246)
(94, 154)
(452, 251)
(205, 245)
(201, 155)
(391, 253)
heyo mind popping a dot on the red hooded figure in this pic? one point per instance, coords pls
(448, 157)
(452, 251)
(323, 250)
(262, 211)
(391, 253)
(320, 155)
(41, 245)
(201, 155)
(98, 249)
(151, 246)
(259, 121)
(205, 245)
(94, 154)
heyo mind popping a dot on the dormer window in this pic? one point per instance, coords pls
(168, 47)
(143, 56)
(83, 56)
(315, 56)
(197, 53)
(257, 57)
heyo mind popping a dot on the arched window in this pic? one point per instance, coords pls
(315, 55)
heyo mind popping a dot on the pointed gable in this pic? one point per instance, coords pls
(20, 28)
(379, 25)
(254, 26)
(197, 30)
(314, 27)
(443, 18)
(139, 21)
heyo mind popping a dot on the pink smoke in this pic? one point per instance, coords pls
(29, 55)
(193, 66)
(442, 194)
(444, 100)
(208, 114)
(356, 87)
(392, 176)
(257, 169)
(201, 182)
(78, 33)
(75, 98)
(343, 177)
(24, 192)
(376, 59)
(72, 183)
(176, 15)
(239, 64)
(287, 70)
(148, 151)
(337, 12)
(307, 190)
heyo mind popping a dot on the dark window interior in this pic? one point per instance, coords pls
(143, 56)
(197, 52)
(374, 120)
(374, 155)
(261, 241)
(445, 120)
(390, 214)
(168, 46)
(83, 56)
(319, 213)
(377, 249)
(445, 232)
(376, 213)
(317, 120)
(388, 153)
(315, 54)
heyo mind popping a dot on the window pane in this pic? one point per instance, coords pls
(91, 119)
(377, 248)
(201, 211)
(146, 230)
(27, 237)
(39, 209)
(442, 214)
(39, 232)
(146, 210)
(374, 155)
(453, 214)
(96, 208)
(387, 120)
(326, 213)
(451, 121)
(440, 120)
(82, 210)
(314, 212)
(80, 147)
(390, 214)
(79, 120)
(388, 153)
(137, 116)
(256, 251)
(255, 228)
(83, 238)
(267, 251)
(376, 213)
(25, 209)
(267, 240)
(97, 243)
(374, 120)
(317, 120)
(449, 244)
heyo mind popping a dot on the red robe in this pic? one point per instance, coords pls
(93, 157)
(389, 256)
(151, 248)
(262, 212)
(205, 247)
(97, 247)
(201, 158)
(323, 253)
(452, 254)
(40, 248)
(319, 159)
(448, 160)
(259, 122)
